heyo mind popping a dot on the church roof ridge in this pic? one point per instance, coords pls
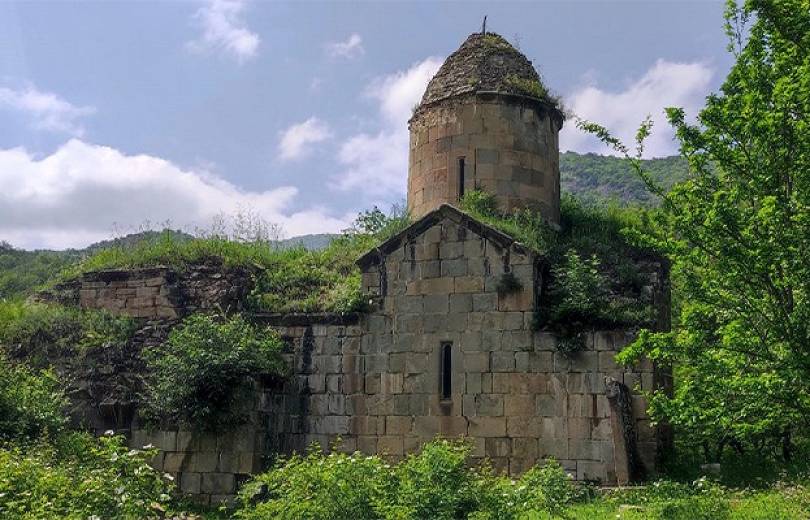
(452, 213)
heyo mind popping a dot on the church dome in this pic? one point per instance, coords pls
(485, 62)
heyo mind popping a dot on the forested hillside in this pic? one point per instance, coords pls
(591, 177)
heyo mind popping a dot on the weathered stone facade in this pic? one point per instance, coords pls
(375, 380)
(377, 384)
(157, 292)
(477, 127)
(505, 146)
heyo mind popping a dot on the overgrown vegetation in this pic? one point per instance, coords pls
(31, 403)
(78, 476)
(205, 373)
(40, 333)
(437, 483)
(738, 234)
(48, 472)
(594, 279)
(287, 279)
(440, 483)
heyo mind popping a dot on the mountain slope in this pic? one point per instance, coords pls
(593, 178)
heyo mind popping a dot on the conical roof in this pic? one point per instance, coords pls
(485, 62)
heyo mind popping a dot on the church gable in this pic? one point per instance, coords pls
(450, 253)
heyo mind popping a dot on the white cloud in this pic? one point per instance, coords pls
(378, 162)
(351, 48)
(665, 84)
(296, 139)
(78, 193)
(46, 110)
(225, 31)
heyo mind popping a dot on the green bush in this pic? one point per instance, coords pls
(437, 483)
(317, 486)
(31, 403)
(41, 333)
(206, 369)
(80, 477)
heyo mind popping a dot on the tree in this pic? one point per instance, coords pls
(737, 231)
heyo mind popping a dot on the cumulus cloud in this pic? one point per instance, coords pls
(47, 111)
(224, 30)
(78, 193)
(664, 84)
(378, 162)
(296, 140)
(351, 48)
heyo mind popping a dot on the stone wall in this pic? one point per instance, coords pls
(380, 381)
(157, 292)
(206, 467)
(377, 384)
(509, 146)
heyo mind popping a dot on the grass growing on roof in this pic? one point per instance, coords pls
(594, 278)
(287, 280)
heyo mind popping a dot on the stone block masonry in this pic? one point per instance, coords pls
(206, 467)
(159, 293)
(377, 383)
(503, 145)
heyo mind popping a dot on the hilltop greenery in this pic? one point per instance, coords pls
(597, 179)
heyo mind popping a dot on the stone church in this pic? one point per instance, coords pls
(441, 352)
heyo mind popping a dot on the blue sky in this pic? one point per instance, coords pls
(113, 114)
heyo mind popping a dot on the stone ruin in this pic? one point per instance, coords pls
(442, 351)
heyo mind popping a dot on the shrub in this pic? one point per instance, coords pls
(579, 289)
(437, 483)
(80, 477)
(317, 486)
(205, 369)
(41, 333)
(546, 488)
(31, 403)
(480, 203)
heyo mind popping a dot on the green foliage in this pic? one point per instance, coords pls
(21, 272)
(31, 402)
(288, 279)
(594, 279)
(599, 179)
(80, 477)
(436, 483)
(527, 87)
(41, 333)
(203, 371)
(317, 486)
(738, 233)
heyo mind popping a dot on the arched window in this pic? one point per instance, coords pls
(446, 370)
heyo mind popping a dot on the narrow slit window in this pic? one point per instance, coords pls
(460, 177)
(446, 370)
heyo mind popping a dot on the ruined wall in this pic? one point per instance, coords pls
(510, 149)
(375, 380)
(207, 467)
(157, 292)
